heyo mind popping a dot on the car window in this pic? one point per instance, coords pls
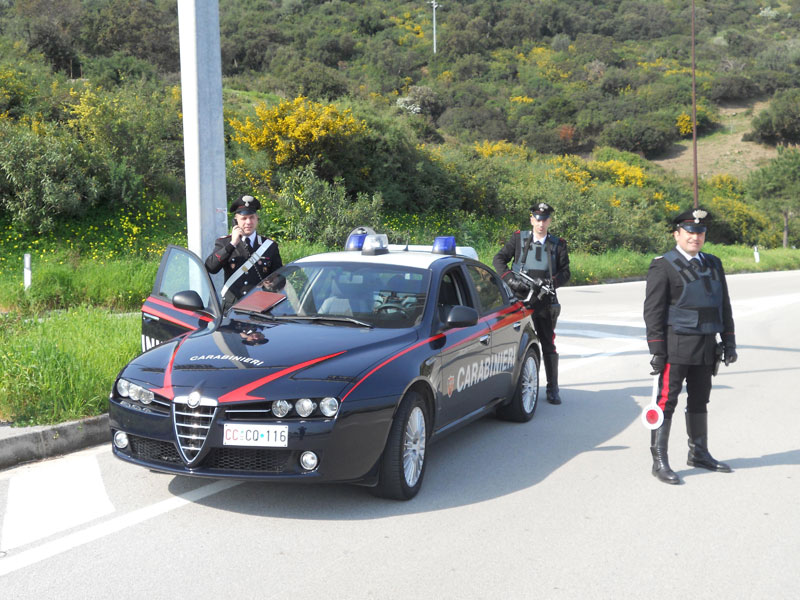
(181, 272)
(380, 295)
(487, 286)
(452, 292)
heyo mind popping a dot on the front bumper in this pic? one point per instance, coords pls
(348, 446)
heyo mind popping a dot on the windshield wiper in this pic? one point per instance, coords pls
(326, 318)
(255, 313)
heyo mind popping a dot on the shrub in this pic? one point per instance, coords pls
(45, 176)
(323, 212)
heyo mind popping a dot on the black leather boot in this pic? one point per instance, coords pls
(659, 441)
(551, 370)
(697, 428)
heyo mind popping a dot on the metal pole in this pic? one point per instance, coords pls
(694, 115)
(435, 6)
(203, 133)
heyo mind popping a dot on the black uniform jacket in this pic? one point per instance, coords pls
(664, 287)
(229, 258)
(512, 251)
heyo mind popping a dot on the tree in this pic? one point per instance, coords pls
(776, 187)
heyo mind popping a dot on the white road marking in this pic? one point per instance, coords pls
(14, 562)
(49, 497)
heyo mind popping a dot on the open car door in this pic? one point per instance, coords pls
(180, 271)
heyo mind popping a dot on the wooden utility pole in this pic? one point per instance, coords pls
(694, 115)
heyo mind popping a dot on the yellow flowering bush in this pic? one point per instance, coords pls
(296, 132)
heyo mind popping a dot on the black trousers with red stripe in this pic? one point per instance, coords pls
(545, 332)
(698, 387)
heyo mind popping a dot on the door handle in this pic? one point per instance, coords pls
(484, 339)
(517, 325)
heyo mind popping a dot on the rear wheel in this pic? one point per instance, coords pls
(403, 462)
(526, 395)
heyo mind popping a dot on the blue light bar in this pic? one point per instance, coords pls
(444, 245)
(355, 241)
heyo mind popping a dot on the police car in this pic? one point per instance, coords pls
(341, 366)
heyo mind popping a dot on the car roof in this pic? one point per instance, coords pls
(397, 256)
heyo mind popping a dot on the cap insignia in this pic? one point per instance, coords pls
(699, 214)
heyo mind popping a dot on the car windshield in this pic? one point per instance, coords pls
(382, 296)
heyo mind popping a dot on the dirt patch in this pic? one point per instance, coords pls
(722, 152)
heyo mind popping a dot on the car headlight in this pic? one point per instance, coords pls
(126, 389)
(329, 406)
(281, 408)
(304, 407)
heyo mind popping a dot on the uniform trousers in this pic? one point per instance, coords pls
(544, 330)
(698, 387)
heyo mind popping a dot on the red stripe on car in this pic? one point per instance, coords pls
(241, 393)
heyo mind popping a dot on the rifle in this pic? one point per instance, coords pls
(538, 291)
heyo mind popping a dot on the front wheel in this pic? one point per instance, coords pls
(403, 462)
(526, 394)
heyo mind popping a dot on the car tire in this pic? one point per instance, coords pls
(526, 394)
(403, 461)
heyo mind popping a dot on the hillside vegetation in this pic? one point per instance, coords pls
(339, 113)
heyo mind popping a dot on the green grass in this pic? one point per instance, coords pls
(61, 367)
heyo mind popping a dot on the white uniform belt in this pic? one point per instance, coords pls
(248, 264)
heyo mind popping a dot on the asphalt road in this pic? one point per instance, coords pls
(561, 507)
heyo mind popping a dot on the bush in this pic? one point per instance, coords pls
(736, 222)
(780, 122)
(323, 212)
(648, 135)
(45, 176)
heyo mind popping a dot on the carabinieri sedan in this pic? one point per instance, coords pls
(339, 367)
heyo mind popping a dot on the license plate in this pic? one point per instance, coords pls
(265, 436)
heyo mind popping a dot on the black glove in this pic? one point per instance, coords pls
(729, 354)
(659, 363)
(517, 285)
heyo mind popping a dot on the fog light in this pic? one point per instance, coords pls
(329, 406)
(281, 408)
(309, 461)
(121, 440)
(304, 407)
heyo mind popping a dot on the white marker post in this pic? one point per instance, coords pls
(26, 270)
(755, 254)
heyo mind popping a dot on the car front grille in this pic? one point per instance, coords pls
(247, 459)
(192, 425)
(153, 450)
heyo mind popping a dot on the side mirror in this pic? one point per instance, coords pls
(462, 316)
(188, 300)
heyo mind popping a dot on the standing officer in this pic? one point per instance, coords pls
(245, 257)
(686, 305)
(543, 257)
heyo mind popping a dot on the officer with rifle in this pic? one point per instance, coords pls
(686, 306)
(540, 266)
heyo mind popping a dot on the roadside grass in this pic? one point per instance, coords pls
(60, 367)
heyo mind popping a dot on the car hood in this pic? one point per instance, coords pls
(232, 364)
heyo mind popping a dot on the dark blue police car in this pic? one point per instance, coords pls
(341, 366)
